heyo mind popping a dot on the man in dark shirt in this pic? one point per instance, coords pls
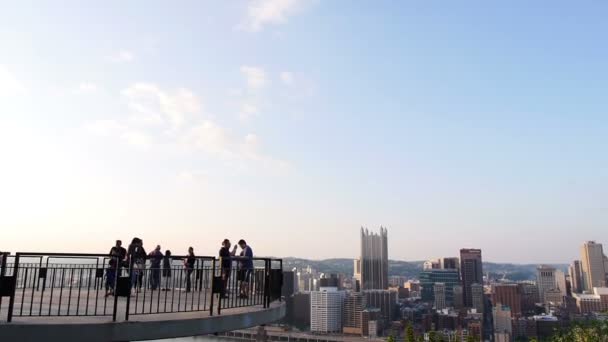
(156, 257)
(189, 265)
(226, 265)
(117, 256)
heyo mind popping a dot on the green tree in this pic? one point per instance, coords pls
(409, 333)
(433, 336)
(390, 339)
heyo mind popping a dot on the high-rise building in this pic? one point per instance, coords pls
(326, 310)
(289, 283)
(594, 272)
(529, 297)
(431, 265)
(449, 263)
(471, 272)
(545, 280)
(439, 292)
(560, 282)
(509, 295)
(477, 297)
(354, 304)
(384, 300)
(502, 319)
(576, 276)
(374, 260)
(448, 277)
(357, 270)
(458, 303)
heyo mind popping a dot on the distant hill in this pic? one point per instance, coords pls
(411, 269)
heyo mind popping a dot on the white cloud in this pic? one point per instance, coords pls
(151, 104)
(264, 12)
(178, 122)
(247, 112)
(122, 56)
(113, 128)
(86, 87)
(208, 137)
(286, 77)
(255, 76)
(9, 84)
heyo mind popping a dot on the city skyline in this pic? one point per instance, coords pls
(292, 123)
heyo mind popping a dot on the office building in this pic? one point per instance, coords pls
(448, 277)
(374, 260)
(545, 280)
(508, 295)
(529, 297)
(458, 300)
(560, 282)
(477, 297)
(370, 315)
(449, 263)
(384, 300)
(471, 272)
(289, 283)
(357, 270)
(576, 276)
(354, 304)
(326, 310)
(593, 270)
(439, 294)
(502, 319)
(431, 265)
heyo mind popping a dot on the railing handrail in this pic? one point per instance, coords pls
(32, 273)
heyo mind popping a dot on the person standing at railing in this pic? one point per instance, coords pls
(189, 267)
(226, 265)
(167, 269)
(137, 262)
(156, 257)
(245, 268)
(117, 256)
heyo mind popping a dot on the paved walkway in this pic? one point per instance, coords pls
(90, 305)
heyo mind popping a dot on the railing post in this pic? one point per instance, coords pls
(117, 271)
(11, 302)
(282, 280)
(212, 283)
(266, 283)
(130, 289)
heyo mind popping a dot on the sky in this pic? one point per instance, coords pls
(291, 124)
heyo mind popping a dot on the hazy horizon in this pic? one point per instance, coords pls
(291, 124)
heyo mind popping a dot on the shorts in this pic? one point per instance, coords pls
(244, 275)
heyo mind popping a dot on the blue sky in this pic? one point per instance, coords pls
(293, 123)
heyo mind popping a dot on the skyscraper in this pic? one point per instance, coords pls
(448, 277)
(326, 310)
(471, 272)
(576, 276)
(509, 295)
(449, 263)
(354, 304)
(545, 280)
(477, 297)
(374, 260)
(439, 292)
(594, 273)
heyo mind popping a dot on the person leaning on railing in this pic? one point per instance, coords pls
(137, 262)
(117, 256)
(189, 266)
(245, 260)
(226, 265)
(156, 257)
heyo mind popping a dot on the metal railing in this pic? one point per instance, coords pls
(68, 284)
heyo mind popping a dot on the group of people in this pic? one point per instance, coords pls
(134, 259)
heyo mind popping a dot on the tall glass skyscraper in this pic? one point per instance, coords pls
(374, 260)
